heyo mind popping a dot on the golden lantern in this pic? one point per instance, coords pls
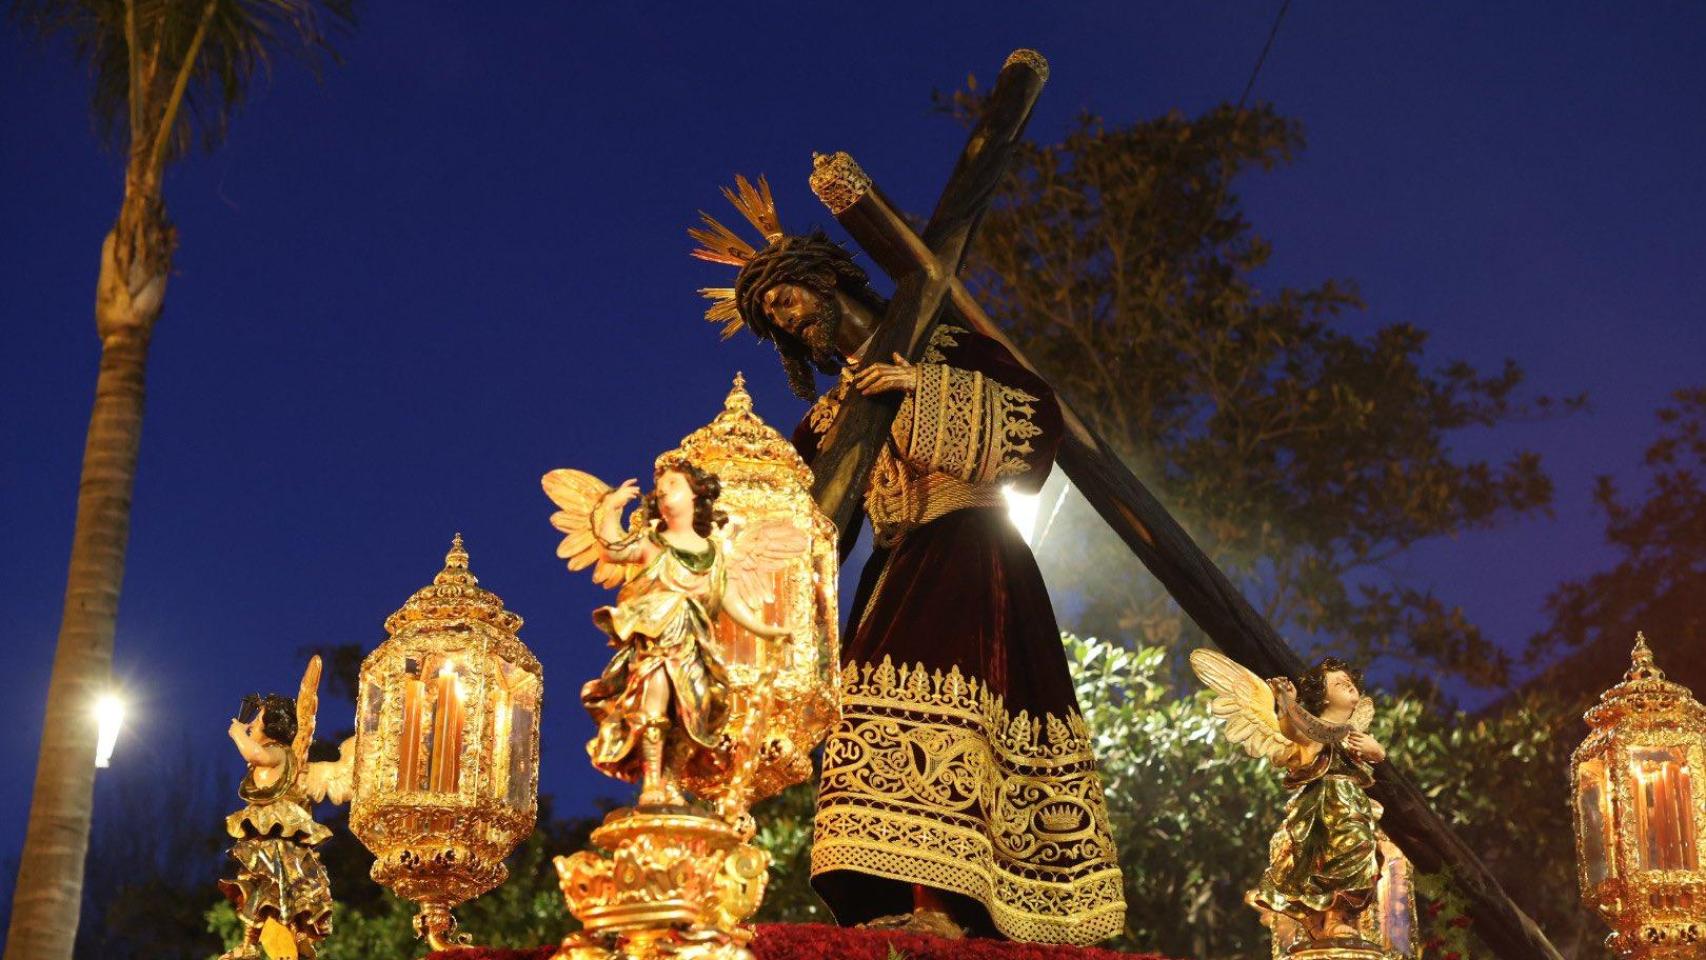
(1640, 810)
(785, 695)
(446, 776)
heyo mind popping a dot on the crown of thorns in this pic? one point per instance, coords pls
(810, 258)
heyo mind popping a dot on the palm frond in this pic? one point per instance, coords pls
(240, 42)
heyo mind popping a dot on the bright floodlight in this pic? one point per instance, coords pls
(109, 715)
(1022, 510)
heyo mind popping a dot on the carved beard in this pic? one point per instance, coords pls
(817, 333)
(810, 347)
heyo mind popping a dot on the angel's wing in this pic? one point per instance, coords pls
(577, 494)
(307, 706)
(758, 551)
(1245, 703)
(1363, 715)
(331, 779)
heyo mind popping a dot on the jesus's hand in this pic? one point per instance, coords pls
(884, 377)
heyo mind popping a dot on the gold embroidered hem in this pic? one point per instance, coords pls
(928, 780)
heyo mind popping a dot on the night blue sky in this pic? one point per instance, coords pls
(405, 293)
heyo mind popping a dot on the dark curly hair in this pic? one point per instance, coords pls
(1312, 686)
(706, 488)
(278, 718)
(812, 261)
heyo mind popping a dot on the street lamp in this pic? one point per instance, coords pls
(109, 717)
(1022, 510)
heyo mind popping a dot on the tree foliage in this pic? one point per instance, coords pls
(166, 73)
(1303, 446)
(1655, 584)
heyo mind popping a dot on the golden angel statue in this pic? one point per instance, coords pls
(1324, 860)
(280, 892)
(662, 703)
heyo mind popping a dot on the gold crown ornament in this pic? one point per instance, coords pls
(719, 244)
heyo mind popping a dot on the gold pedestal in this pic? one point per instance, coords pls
(675, 884)
(1347, 948)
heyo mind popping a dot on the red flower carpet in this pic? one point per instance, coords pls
(812, 941)
(821, 942)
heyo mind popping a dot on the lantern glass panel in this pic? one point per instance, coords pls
(1397, 905)
(521, 761)
(1664, 822)
(372, 707)
(1593, 812)
(412, 738)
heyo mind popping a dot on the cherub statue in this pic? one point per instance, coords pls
(280, 891)
(1324, 863)
(665, 694)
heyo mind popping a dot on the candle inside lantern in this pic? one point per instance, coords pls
(1664, 825)
(1646, 829)
(1668, 846)
(447, 731)
(1672, 793)
(409, 753)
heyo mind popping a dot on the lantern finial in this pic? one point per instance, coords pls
(455, 565)
(738, 401)
(1642, 666)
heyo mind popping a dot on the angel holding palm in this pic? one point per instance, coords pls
(663, 700)
(1324, 862)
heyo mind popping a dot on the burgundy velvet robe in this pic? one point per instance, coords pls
(961, 762)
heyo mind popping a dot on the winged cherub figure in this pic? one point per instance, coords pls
(281, 893)
(666, 692)
(1324, 862)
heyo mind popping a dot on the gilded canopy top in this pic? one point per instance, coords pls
(454, 594)
(737, 438)
(1645, 695)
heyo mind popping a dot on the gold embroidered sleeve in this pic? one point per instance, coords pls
(966, 425)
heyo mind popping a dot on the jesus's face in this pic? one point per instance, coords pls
(808, 317)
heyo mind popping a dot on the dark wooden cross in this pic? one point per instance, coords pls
(843, 465)
(925, 269)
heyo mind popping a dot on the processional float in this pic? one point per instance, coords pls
(766, 740)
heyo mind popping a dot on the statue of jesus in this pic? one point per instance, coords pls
(959, 791)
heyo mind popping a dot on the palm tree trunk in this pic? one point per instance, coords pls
(49, 890)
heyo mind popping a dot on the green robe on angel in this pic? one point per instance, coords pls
(661, 621)
(1324, 854)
